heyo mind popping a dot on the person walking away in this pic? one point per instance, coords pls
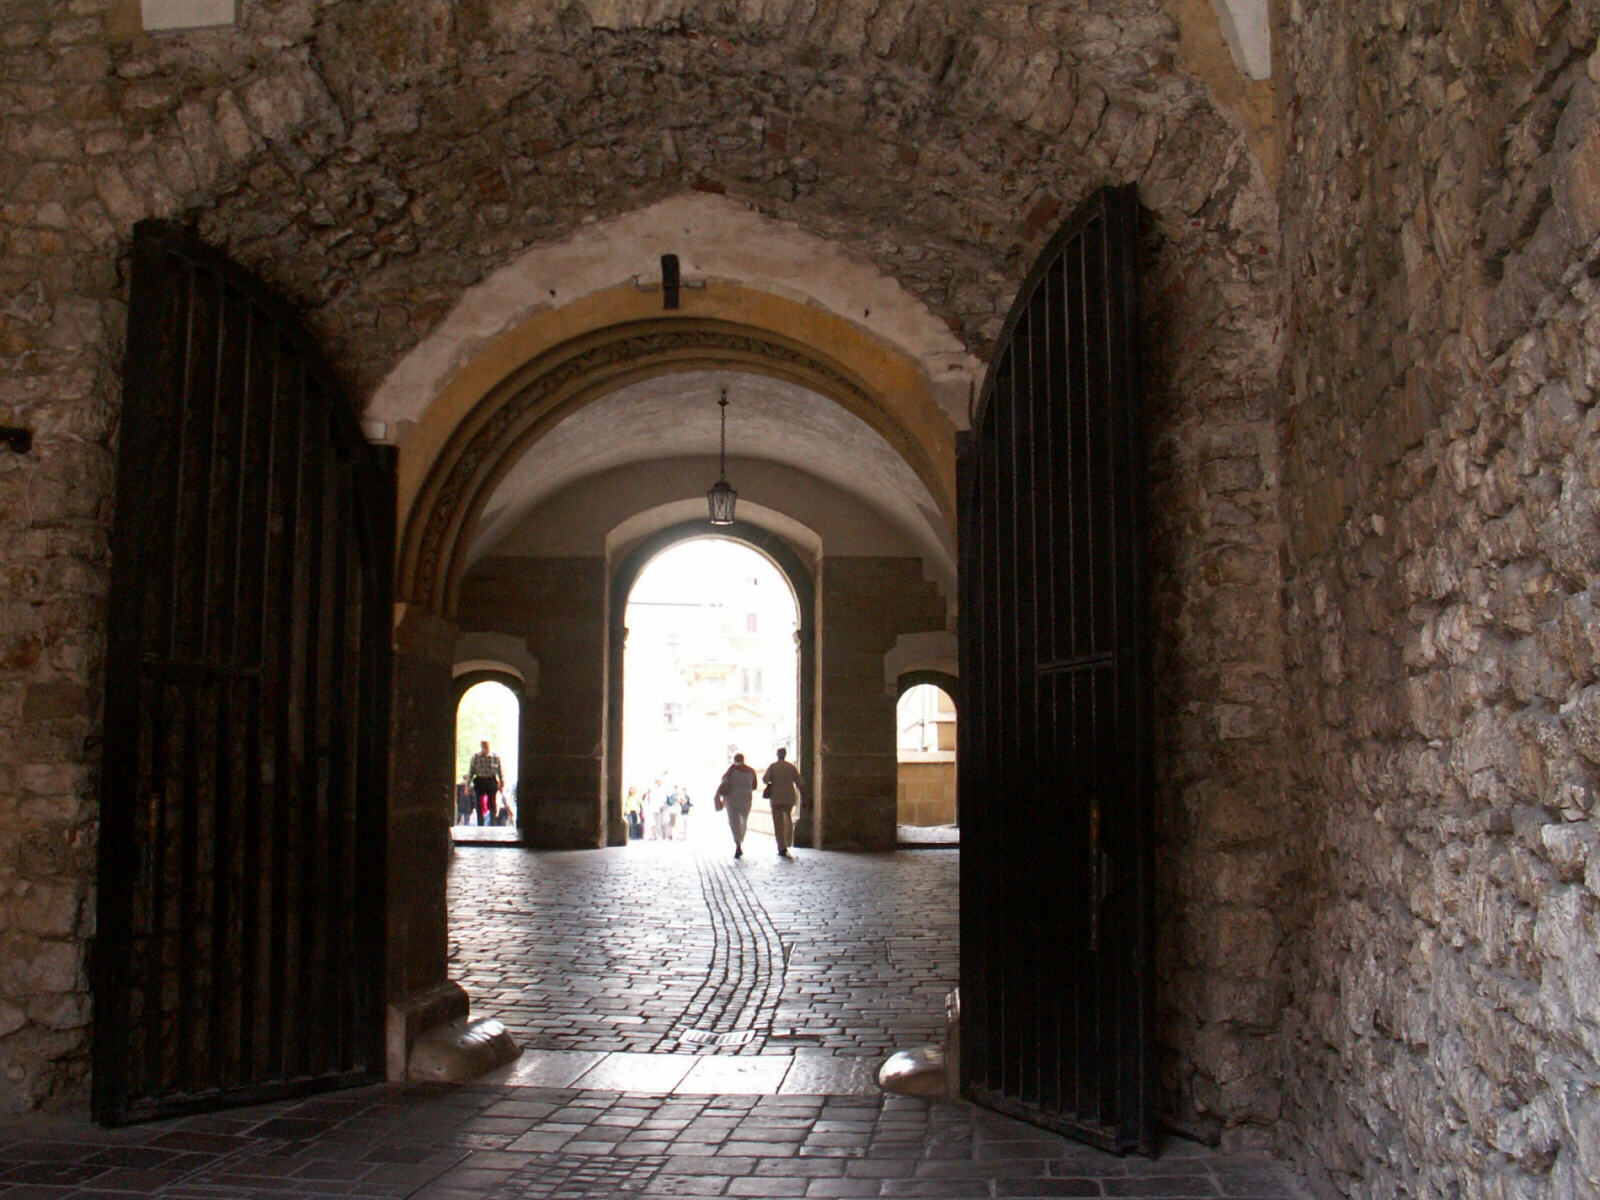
(783, 791)
(464, 802)
(487, 779)
(734, 793)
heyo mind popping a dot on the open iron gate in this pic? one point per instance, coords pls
(239, 953)
(1056, 910)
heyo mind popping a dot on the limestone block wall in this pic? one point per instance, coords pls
(1442, 458)
(926, 793)
(557, 605)
(867, 602)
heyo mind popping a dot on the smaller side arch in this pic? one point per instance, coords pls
(945, 681)
(467, 680)
(801, 581)
(490, 651)
(946, 805)
(929, 651)
(462, 683)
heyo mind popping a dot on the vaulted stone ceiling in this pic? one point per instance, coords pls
(675, 416)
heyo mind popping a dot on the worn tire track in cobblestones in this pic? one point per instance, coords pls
(739, 996)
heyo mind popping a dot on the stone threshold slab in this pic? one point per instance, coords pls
(691, 1074)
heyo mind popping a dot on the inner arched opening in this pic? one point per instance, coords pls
(711, 669)
(488, 717)
(925, 756)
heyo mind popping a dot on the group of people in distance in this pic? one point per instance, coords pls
(659, 814)
(736, 793)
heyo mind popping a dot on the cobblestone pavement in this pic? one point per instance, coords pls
(508, 1143)
(826, 963)
(676, 947)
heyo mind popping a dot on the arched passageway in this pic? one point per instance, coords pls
(711, 668)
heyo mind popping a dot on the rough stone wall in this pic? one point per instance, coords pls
(60, 330)
(1215, 533)
(557, 605)
(867, 602)
(1442, 458)
(372, 159)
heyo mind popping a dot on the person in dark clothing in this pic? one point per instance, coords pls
(734, 793)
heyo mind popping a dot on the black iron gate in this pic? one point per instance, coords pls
(1054, 736)
(239, 952)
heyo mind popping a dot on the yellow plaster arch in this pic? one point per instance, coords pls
(467, 437)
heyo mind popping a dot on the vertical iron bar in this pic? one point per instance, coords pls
(251, 536)
(313, 783)
(291, 407)
(337, 900)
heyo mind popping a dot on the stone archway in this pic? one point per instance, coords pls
(801, 582)
(926, 791)
(510, 680)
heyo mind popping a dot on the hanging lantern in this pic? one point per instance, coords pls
(721, 498)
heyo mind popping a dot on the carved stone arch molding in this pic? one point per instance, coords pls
(534, 399)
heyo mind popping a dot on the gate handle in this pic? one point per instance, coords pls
(1099, 888)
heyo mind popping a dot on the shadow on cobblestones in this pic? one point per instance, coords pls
(524, 1143)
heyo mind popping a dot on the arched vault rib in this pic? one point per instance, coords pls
(534, 399)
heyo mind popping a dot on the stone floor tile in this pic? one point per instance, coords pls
(733, 1168)
(627, 1072)
(1033, 1189)
(800, 1168)
(831, 1076)
(831, 1189)
(723, 1075)
(930, 1189)
(546, 1068)
(761, 1187)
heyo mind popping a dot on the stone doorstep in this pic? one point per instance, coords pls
(459, 1051)
(444, 1006)
(689, 1074)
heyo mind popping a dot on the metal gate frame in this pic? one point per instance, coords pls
(1057, 914)
(239, 955)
